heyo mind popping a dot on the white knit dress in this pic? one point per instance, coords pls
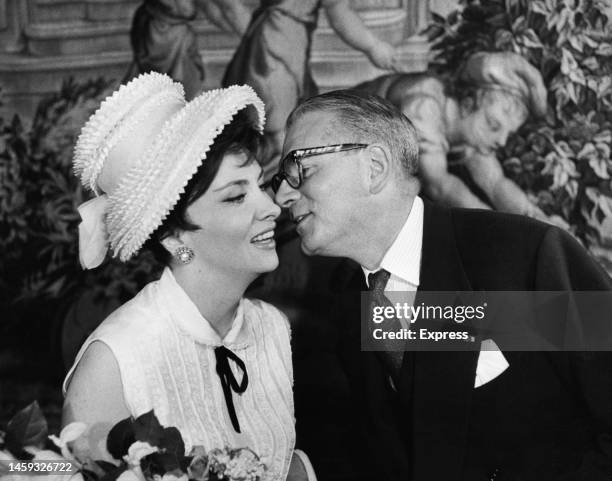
(165, 352)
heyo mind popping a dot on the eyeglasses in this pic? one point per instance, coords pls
(290, 167)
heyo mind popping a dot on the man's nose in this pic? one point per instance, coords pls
(286, 195)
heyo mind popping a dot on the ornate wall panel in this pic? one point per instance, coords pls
(49, 40)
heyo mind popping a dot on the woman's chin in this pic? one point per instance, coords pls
(267, 263)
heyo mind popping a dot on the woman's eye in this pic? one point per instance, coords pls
(262, 187)
(238, 199)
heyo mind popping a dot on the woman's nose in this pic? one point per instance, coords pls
(269, 207)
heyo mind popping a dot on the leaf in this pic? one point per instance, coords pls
(571, 92)
(106, 466)
(530, 39)
(589, 41)
(603, 136)
(568, 62)
(604, 49)
(539, 7)
(172, 442)
(600, 167)
(120, 438)
(158, 464)
(27, 428)
(575, 42)
(114, 474)
(148, 429)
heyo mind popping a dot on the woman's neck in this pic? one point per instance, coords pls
(215, 294)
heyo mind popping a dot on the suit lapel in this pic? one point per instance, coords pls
(439, 384)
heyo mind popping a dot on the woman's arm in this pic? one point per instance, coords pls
(301, 469)
(95, 397)
(351, 29)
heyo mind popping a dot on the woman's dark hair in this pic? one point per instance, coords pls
(239, 136)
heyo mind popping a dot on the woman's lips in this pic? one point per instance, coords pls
(264, 240)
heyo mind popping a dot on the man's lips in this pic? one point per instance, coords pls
(299, 218)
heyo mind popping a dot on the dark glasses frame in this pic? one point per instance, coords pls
(296, 156)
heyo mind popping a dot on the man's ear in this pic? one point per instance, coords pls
(171, 243)
(380, 167)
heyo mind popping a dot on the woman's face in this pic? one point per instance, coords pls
(487, 128)
(236, 219)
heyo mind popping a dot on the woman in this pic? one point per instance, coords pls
(472, 115)
(274, 56)
(182, 179)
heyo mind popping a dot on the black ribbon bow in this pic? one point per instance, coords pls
(229, 382)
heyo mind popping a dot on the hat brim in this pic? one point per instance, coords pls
(153, 187)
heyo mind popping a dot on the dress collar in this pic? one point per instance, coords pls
(188, 318)
(403, 259)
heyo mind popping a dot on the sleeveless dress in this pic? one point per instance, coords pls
(273, 57)
(165, 352)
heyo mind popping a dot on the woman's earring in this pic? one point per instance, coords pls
(184, 254)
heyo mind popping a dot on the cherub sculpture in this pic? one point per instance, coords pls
(471, 114)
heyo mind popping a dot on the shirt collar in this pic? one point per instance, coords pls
(188, 318)
(403, 259)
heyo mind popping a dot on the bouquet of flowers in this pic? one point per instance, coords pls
(144, 449)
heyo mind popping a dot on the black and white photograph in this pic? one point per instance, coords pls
(306, 240)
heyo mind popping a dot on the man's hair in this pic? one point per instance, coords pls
(368, 118)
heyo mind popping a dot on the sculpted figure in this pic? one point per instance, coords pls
(164, 41)
(273, 56)
(490, 98)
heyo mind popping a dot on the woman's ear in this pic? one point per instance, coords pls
(380, 167)
(171, 243)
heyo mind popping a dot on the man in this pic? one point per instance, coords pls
(348, 179)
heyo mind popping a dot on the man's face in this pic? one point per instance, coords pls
(324, 207)
(488, 127)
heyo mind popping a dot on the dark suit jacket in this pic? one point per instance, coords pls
(547, 417)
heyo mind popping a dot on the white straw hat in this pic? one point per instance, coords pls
(137, 153)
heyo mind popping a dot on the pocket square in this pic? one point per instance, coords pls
(491, 363)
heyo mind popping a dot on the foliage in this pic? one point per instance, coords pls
(143, 450)
(564, 161)
(39, 196)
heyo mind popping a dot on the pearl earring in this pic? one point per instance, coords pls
(184, 254)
